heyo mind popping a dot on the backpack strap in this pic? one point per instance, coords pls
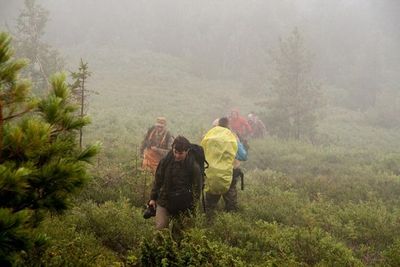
(202, 165)
(162, 141)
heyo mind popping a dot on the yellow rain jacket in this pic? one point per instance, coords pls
(220, 147)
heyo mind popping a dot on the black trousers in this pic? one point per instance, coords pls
(230, 197)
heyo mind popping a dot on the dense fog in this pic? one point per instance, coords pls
(354, 44)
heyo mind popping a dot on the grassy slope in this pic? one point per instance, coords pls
(133, 89)
(328, 199)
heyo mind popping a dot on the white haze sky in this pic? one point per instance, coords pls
(344, 35)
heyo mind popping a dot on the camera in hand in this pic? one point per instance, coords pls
(149, 212)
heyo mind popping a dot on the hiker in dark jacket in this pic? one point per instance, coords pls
(177, 185)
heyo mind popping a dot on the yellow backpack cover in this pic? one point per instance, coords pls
(220, 147)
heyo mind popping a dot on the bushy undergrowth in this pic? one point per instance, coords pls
(391, 256)
(366, 226)
(336, 173)
(118, 225)
(67, 246)
(334, 203)
(275, 244)
(108, 234)
(195, 249)
(112, 182)
(318, 207)
(354, 130)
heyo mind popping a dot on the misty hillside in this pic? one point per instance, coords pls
(321, 186)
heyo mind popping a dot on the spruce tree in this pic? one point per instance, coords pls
(41, 165)
(296, 97)
(80, 91)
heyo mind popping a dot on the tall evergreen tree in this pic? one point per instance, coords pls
(80, 91)
(41, 165)
(296, 96)
(44, 60)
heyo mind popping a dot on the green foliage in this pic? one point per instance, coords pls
(386, 109)
(296, 97)
(79, 79)
(162, 251)
(306, 199)
(281, 245)
(195, 249)
(368, 227)
(295, 157)
(317, 248)
(113, 182)
(66, 246)
(117, 225)
(13, 238)
(350, 130)
(40, 164)
(13, 91)
(391, 256)
(301, 201)
(80, 91)
(304, 205)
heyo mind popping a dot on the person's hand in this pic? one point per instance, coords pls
(152, 203)
(154, 148)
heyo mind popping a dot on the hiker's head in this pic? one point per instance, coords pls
(215, 122)
(180, 148)
(251, 116)
(234, 113)
(223, 122)
(161, 122)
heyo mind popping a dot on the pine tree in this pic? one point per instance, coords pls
(296, 96)
(41, 165)
(44, 60)
(80, 91)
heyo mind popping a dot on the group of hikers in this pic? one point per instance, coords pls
(182, 170)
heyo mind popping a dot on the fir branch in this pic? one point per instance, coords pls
(17, 115)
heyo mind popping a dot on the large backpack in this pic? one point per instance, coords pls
(220, 148)
(198, 154)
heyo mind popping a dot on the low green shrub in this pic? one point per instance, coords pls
(113, 182)
(369, 223)
(297, 246)
(273, 205)
(358, 214)
(278, 245)
(119, 226)
(391, 256)
(195, 249)
(68, 247)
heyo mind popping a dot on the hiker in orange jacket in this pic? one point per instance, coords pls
(156, 144)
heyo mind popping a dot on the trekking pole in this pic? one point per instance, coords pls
(144, 186)
(241, 180)
(203, 202)
(136, 159)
